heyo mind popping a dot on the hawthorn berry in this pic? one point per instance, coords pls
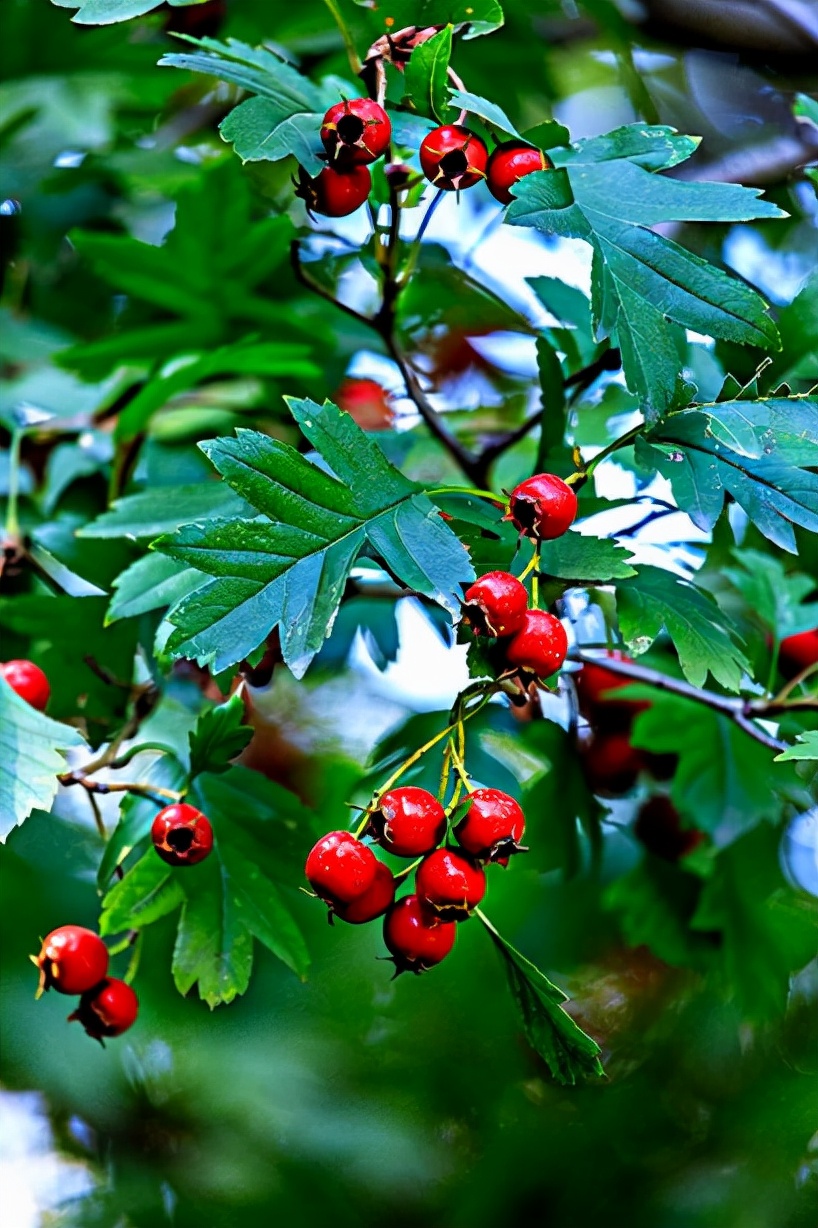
(374, 901)
(107, 1010)
(496, 604)
(182, 835)
(598, 703)
(366, 402)
(493, 826)
(540, 646)
(72, 959)
(408, 822)
(659, 828)
(450, 884)
(542, 507)
(355, 132)
(453, 158)
(28, 681)
(340, 868)
(797, 652)
(610, 763)
(508, 163)
(334, 193)
(415, 937)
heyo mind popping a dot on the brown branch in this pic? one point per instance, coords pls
(142, 789)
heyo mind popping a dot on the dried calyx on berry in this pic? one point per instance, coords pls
(72, 960)
(509, 163)
(453, 158)
(415, 937)
(496, 604)
(28, 681)
(107, 1010)
(543, 507)
(334, 193)
(355, 132)
(492, 827)
(408, 822)
(451, 884)
(182, 835)
(540, 646)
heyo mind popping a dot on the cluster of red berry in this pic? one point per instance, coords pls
(420, 928)
(74, 960)
(358, 131)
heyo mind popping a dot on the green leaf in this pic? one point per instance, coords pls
(806, 748)
(151, 583)
(772, 593)
(575, 556)
(702, 634)
(146, 515)
(441, 293)
(654, 147)
(569, 1053)
(219, 736)
(30, 758)
(798, 326)
(150, 890)
(479, 16)
(288, 567)
(426, 76)
(489, 112)
(105, 12)
(655, 903)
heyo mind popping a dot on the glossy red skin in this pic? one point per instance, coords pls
(595, 691)
(611, 764)
(415, 938)
(540, 647)
(659, 828)
(797, 652)
(108, 1010)
(333, 193)
(72, 960)
(543, 507)
(367, 403)
(373, 903)
(28, 681)
(496, 604)
(409, 822)
(450, 883)
(492, 827)
(182, 835)
(340, 868)
(441, 163)
(355, 132)
(508, 164)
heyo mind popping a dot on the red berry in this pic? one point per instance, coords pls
(450, 883)
(182, 835)
(496, 604)
(108, 1010)
(29, 682)
(72, 960)
(541, 646)
(492, 827)
(355, 132)
(374, 902)
(543, 507)
(340, 868)
(366, 402)
(797, 652)
(333, 193)
(415, 937)
(509, 163)
(453, 158)
(409, 822)
(611, 763)
(202, 21)
(596, 687)
(659, 827)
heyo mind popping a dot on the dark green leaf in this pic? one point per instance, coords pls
(426, 76)
(219, 736)
(489, 112)
(146, 515)
(575, 556)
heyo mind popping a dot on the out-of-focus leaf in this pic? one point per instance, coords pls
(806, 748)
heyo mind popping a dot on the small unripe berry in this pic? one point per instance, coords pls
(408, 822)
(540, 646)
(543, 507)
(72, 960)
(453, 158)
(492, 827)
(415, 938)
(355, 132)
(107, 1010)
(28, 681)
(333, 193)
(182, 835)
(496, 604)
(340, 868)
(450, 883)
(509, 163)
(373, 903)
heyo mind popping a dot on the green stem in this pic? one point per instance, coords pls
(343, 28)
(12, 521)
(622, 442)
(467, 490)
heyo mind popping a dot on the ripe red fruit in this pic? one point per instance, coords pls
(416, 939)
(450, 883)
(598, 703)
(610, 763)
(29, 682)
(453, 158)
(509, 162)
(659, 827)
(492, 827)
(333, 193)
(408, 822)
(797, 652)
(202, 20)
(182, 835)
(340, 868)
(374, 901)
(496, 604)
(107, 1010)
(72, 960)
(542, 507)
(540, 646)
(366, 402)
(355, 132)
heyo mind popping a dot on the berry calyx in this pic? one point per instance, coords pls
(415, 937)
(366, 402)
(493, 826)
(72, 959)
(453, 158)
(542, 507)
(450, 884)
(408, 822)
(540, 646)
(182, 835)
(28, 681)
(797, 652)
(611, 764)
(507, 165)
(496, 604)
(374, 901)
(333, 193)
(107, 1010)
(596, 693)
(355, 132)
(340, 868)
